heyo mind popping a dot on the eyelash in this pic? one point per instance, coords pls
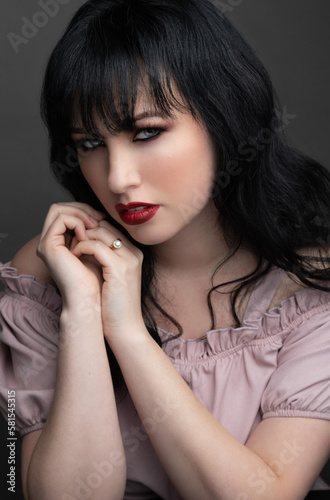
(82, 143)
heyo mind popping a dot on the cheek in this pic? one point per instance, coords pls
(186, 167)
(94, 173)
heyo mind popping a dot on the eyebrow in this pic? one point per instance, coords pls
(138, 117)
(147, 114)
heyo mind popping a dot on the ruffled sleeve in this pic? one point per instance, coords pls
(29, 320)
(300, 386)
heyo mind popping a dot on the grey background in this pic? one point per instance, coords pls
(290, 36)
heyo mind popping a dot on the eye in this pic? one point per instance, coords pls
(89, 144)
(148, 133)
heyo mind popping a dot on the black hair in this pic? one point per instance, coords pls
(268, 195)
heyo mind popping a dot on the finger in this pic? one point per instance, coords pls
(74, 241)
(109, 259)
(98, 249)
(105, 235)
(108, 235)
(86, 213)
(85, 207)
(117, 234)
(55, 235)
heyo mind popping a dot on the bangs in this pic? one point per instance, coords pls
(109, 97)
(174, 56)
(118, 60)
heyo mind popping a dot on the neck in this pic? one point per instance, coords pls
(199, 247)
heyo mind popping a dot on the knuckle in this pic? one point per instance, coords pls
(104, 232)
(135, 261)
(81, 206)
(139, 255)
(99, 244)
(61, 216)
(39, 252)
(105, 225)
(53, 207)
(41, 249)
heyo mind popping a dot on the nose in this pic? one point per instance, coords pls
(123, 170)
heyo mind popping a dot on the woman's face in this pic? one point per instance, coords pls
(155, 181)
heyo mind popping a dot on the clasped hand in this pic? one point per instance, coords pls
(75, 246)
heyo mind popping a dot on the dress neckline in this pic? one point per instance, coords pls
(258, 304)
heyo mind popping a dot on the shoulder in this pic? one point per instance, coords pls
(291, 284)
(27, 262)
(288, 287)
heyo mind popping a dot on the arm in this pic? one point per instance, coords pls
(203, 460)
(80, 447)
(81, 435)
(29, 442)
(280, 461)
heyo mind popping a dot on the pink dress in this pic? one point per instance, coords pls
(276, 365)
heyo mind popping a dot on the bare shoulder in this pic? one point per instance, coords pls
(287, 288)
(290, 284)
(26, 261)
(316, 251)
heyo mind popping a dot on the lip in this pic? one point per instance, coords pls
(147, 212)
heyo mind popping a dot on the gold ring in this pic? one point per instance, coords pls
(116, 244)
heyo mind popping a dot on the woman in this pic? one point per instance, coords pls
(174, 342)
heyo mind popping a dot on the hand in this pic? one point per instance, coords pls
(67, 224)
(121, 290)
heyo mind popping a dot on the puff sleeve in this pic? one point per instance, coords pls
(300, 386)
(29, 322)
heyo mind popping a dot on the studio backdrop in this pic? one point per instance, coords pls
(291, 37)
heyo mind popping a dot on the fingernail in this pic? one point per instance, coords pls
(95, 221)
(99, 215)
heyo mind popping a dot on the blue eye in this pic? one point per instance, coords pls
(143, 134)
(89, 144)
(148, 133)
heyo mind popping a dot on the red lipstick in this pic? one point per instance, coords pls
(137, 212)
